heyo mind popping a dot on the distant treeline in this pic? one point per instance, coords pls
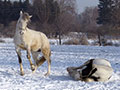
(56, 18)
(9, 10)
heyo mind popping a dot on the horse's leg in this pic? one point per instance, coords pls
(20, 61)
(49, 66)
(29, 58)
(46, 53)
(85, 64)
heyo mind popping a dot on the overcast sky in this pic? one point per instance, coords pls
(81, 4)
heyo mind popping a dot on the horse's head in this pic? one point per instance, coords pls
(23, 20)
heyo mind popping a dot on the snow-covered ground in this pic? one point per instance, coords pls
(62, 57)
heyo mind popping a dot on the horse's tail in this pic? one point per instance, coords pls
(50, 53)
(38, 61)
(41, 61)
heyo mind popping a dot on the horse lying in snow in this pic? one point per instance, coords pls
(92, 70)
(33, 42)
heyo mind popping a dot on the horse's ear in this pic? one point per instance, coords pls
(21, 13)
(30, 16)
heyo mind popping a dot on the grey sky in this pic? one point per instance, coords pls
(81, 4)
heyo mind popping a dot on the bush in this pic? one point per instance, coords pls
(9, 30)
(84, 40)
(72, 41)
(2, 41)
(77, 41)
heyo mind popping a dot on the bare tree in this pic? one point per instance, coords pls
(66, 17)
(88, 23)
(45, 12)
(88, 19)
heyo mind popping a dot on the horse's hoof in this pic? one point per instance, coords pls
(32, 67)
(47, 74)
(34, 70)
(22, 74)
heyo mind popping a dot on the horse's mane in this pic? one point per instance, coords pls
(25, 16)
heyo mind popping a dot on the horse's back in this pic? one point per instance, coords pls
(39, 34)
(40, 39)
(104, 69)
(101, 62)
(104, 72)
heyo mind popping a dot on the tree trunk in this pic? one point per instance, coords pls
(59, 32)
(99, 40)
(60, 38)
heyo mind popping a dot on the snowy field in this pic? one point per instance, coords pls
(62, 57)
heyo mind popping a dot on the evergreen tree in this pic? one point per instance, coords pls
(6, 12)
(54, 10)
(115, 20)
(16, 9)
(109, 13)
(45, 11)
(9, 11)
(26, 5)
(1, 11)
(105, 9)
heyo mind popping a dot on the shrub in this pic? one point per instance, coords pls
(2, 41)
(77, 41)
(72, 41)
(84, 40)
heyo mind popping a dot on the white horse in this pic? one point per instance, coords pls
(92, 70)
(33, 42)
